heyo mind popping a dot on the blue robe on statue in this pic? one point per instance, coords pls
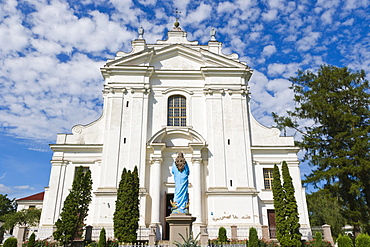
(181, 188)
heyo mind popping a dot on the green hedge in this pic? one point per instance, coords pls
(344, 241)
(10, 242)
(363, 240)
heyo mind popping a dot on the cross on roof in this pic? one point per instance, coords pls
(177, 13)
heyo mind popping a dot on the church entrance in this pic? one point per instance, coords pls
(166, 232)
(272, 223)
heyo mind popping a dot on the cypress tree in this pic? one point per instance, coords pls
(293, 236)
(31, 240)
(279, 204)
(102, 238)
(222, 237)
(121, 210)
(253, 238)
(75, 208)
(134, 221)
(126, 216)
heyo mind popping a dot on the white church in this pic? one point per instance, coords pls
(159, 99)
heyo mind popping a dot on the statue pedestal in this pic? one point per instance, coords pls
(179, 223)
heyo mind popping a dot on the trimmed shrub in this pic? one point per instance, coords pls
(31, 240)
(253, 238)
(363, 240)
(344, 241)
(10, 242)
(318, 239)
(102, 238)
(222, 237)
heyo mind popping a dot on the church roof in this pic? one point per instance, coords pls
(35, 197)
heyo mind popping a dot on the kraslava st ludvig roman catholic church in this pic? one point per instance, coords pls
(159, 99)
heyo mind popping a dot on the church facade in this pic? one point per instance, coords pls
(160, 99)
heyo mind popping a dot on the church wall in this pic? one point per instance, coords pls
(229, 167)
(216, 141)
(112, 141)
(226, 209)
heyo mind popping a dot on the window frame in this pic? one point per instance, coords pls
(177, 110)
(268, 181)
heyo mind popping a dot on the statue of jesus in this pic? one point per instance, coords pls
(180, 170)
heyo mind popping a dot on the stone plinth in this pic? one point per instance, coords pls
(180, 224)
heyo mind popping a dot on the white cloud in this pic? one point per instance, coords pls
(275, 3)
(269, 50)
(202, 12)
(226, 7)
(348, 22)
(276, 69)
(308, 41)
(181, 4)
(327, 16)
(270, 15)
(14, 36)
(5, 189)
(148, 2)
(24, 187)
(354, 4)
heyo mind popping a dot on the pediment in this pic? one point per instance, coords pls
(175, 57)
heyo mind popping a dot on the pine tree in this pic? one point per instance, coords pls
(279, 204)
(126, 216)
(75, 208)
(292, 236)
(337, 101)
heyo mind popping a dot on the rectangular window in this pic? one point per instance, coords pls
(176, 115)
(267, 177)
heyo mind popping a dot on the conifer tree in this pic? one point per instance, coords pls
(337, 102)
(279, 203)
(135, 204)
(292, 236)
(75, 208)
(222, 237)
(102, 238)
(31, 240)
(253, 238)
(121, 208)
(126, 216)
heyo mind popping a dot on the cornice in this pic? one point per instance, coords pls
(76, 147)
(127, 70)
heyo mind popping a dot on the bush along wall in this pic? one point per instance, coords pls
(344, 241)
(363, 240)
(10, 242)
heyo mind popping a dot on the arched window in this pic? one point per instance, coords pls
(176, 115)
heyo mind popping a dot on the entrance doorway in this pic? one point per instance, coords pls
(166, 232)
(272, 223)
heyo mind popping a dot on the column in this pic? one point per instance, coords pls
(197, 187)
(197, 181)
(155, 182)
(155, 189)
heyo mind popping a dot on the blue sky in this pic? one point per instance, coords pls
(51, 52)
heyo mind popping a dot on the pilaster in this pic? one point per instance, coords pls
(155, 181)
